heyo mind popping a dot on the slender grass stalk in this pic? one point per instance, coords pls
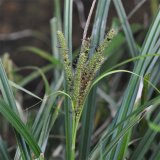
(126, 27)
(68, 9)
(55, 53)
(57, 14)
(56, 25)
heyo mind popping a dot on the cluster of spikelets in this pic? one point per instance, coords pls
(79, 82)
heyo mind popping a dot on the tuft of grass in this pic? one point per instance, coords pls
(71, 105)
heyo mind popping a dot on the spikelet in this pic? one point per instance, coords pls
(91, 69)
(67, 63)
(86, 46)
(98, 58)
(106, 41)
(80, 66)
(77, 79)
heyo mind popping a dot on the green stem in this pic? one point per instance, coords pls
(75, 123)
(73, 141)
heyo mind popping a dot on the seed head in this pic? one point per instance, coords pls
(67, 63)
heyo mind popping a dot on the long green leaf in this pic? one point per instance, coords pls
(55, 51)
(16, 122)
(126, 27)
(9, 98)
(68, 9)
(42, 54)
(57, 14)
(35, 74)
(24, 90)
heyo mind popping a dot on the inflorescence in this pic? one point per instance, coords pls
(79, 83)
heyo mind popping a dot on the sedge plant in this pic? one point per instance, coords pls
(79, 82)
(135, 107)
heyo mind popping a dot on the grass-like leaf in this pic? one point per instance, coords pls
(126, 27)
(19, 126)
(3, 150)
(146, 141)
(42, 54)
(68, 9)
(9, 99)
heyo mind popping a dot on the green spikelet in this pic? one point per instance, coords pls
(85, 49)
(106, 41)
(67, 63)
(86, 46)
(91, 69)
(77, 79)
(95, 63)
(62, 40)
(98, 58)
(79, 71)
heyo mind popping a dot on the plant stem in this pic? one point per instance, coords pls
(73, 141)
(74, 133)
